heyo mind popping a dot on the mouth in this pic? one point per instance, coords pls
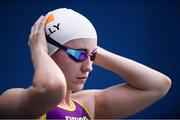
(82, 79)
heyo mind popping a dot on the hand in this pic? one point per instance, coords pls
(37, 39)
(98, 55)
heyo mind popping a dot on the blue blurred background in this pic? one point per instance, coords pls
(143, 30)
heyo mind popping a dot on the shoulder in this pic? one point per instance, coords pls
(87, 98)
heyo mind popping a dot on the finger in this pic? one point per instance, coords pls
(31, 35)
(32, 31)
(35, 29)
(42, 24)
(37, 24)
(29, 41)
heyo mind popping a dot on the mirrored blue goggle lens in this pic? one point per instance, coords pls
(79, 56)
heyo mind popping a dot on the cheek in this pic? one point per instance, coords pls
(67, 65)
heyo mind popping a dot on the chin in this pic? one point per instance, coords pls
(77, 88)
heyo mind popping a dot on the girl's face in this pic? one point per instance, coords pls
(76, 73)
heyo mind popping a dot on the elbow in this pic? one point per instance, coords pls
(53, 89)
(167, 84)
(56, 89)
(164, 86)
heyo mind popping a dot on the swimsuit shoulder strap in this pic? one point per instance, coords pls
(83, 106)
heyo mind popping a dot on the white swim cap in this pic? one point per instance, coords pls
(64, 25)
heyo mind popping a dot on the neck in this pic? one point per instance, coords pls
(67, 100)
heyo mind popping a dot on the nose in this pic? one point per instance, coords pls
(87, 65)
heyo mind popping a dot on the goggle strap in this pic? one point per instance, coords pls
(55, 43)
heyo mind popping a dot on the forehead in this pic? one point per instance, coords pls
(87, 43)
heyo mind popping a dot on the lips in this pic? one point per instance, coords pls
(81, 77)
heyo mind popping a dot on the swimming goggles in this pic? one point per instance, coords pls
(78, 55)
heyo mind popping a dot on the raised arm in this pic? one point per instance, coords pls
(48, 85)
(143, 87)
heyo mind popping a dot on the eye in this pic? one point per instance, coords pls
(85, 50)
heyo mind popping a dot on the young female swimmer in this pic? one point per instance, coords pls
(63, 47)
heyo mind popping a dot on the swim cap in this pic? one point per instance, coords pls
(64, 25)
